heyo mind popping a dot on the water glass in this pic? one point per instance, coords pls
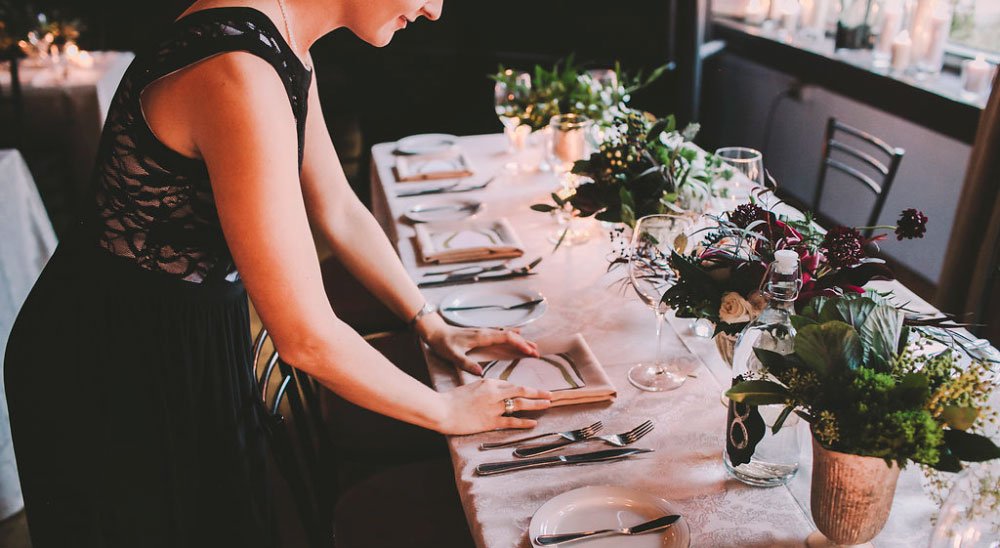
(653, 241)
(515, 87)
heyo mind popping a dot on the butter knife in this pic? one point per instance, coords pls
(490, 468)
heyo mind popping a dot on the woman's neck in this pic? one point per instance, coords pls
(307, 21)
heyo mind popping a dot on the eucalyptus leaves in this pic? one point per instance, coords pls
(867, 389)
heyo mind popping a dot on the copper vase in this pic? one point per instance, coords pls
(851, 495)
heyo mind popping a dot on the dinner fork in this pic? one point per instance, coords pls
(478, 269)
(572, 435)
(437, 190)
(518, 306)
(618, 440)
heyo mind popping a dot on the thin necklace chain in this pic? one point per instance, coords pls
(288, 28)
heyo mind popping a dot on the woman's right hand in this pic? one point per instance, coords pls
(479, 406)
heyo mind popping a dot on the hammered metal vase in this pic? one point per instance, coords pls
(727, 346)
(851, 495)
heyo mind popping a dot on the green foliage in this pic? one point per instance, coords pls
(865, 397)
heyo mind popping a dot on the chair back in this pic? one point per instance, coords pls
(298, 439)
(873, 163)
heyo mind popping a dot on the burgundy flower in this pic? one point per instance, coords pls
(912, 223)
(746, 214)
(844, 247)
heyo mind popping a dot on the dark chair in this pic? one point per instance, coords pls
(875, 175)
(12, 105)
(431, 513)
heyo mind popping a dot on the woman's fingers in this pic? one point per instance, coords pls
(515, 422)
(467, 365)
(495, 336)
(516, 391)
(527, 404)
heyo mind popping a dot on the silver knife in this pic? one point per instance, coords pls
(490, 468)
(647, 527)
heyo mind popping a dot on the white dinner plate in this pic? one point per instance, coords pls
(428, 143)
(492, 317)
(608, 507)
(444, 210)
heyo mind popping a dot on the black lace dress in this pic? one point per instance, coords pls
(128, 369)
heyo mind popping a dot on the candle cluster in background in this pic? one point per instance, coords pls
(905, 36)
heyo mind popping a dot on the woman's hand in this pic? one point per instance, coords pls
(452, 343)
(481, 406)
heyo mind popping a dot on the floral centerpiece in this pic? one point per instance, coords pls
(566, 88)
(721, 279)
(644, 167)
(877, 397)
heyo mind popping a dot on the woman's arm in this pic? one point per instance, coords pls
(344, 221)
(242, 126)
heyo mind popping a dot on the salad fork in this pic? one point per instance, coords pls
(618, 440)
(572, 435)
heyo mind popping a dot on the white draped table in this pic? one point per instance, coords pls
(26, 243)
(686, 467)
(70, 112)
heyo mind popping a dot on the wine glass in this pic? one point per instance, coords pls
(514, 87)
(750, 163)
(968, 517)
(655, 237)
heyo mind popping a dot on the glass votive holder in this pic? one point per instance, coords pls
(570, 138)
(977, 75)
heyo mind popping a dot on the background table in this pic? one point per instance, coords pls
(687, 466)
(69, 113)
(26, 243)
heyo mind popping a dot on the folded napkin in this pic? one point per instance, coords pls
(566, 367)
(456, 243)
(449, 164)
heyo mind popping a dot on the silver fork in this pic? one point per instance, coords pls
(480, 270)
(518, 306)
(572, 435)
(618, 440)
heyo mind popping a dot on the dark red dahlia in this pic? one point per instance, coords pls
(912, 223)
(844, 247)
(745, 214)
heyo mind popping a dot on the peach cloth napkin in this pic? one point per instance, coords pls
(566, 361)
(450, 164)
(461, 242)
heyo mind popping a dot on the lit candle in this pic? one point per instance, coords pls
(901, 47)
(976, 76)
(84, 60)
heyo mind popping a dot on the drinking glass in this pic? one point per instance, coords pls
(653, 240)
(507, 93)
(968, 517)
(750, 163)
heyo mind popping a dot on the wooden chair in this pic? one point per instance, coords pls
(855, 162)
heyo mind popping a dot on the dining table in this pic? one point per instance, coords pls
(65, 109)
(586, 295)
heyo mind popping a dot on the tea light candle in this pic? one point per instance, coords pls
(901, 47)
(976, 76)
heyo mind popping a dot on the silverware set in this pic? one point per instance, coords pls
(570, 437)
(447, 189)
(650, 526)
(493, 273)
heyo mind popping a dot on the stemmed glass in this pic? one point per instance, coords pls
(653, 240)
(506, 93)
(750, 163)
(968, 517)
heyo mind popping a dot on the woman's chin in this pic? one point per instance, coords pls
(380, 38)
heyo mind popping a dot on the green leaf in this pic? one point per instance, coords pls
(798, 322)
(758, 392)
(559, 201)
(913, 388)
(781, 418)
(970, 447)
(880, 335)
(828, 347)
(544, 208)
(947, 462)
(960, 418)
(772, 361)
(659, 127)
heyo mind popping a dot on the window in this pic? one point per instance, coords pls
(976, 25)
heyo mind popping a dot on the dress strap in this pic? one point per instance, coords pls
(206, 33)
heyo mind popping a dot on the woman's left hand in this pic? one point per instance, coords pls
(452, 343)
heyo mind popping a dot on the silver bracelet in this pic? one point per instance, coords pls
(424, 310)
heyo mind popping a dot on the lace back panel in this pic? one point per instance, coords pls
(154, 205)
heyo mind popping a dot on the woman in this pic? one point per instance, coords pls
(128, 368)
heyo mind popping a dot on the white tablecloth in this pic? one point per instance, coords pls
(70, 113)
(687, 466)
(26, 243)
